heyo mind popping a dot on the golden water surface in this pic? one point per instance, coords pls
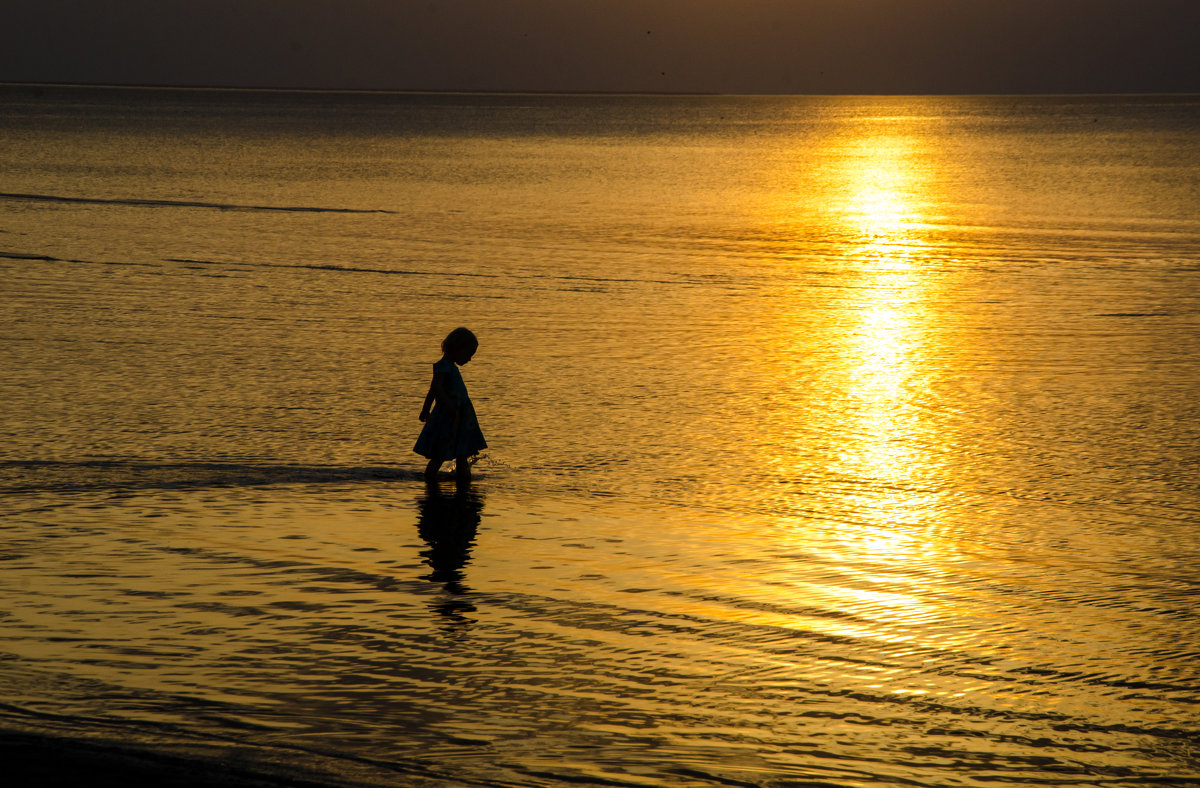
(838, 441)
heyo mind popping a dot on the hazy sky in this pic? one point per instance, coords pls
(733, 46)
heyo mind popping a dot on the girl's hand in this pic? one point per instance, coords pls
(424, 415)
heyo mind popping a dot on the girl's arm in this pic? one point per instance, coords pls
(428, 402)
(438, 392)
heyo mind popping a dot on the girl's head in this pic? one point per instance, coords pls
(459, 345)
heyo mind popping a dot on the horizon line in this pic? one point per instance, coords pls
(578, 92)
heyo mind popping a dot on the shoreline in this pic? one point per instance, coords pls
(44, 760)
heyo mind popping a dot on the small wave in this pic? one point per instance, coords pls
(331, 267)
(1134, 314)
(334, 267)
(184, 204)
(27, 476)
(45, 258)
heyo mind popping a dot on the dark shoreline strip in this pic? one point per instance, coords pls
(38, 759)
(183, 204)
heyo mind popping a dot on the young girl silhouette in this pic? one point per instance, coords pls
(451, 431)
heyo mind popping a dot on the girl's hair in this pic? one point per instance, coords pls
(459, 338)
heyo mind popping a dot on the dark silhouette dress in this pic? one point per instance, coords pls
(448, 435)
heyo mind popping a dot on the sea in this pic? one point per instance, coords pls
(834, 441)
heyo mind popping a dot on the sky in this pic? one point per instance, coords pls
(709, 46)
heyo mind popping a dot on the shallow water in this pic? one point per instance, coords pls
(839, 440)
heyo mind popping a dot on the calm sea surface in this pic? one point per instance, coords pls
(834, 441)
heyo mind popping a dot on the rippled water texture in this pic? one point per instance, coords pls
(834, 441)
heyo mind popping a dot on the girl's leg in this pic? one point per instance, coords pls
(462, 469)
(431, 470)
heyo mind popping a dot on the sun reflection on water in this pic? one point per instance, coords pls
(883, 314)
(882, 466)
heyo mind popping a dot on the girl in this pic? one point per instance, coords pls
(451, 431)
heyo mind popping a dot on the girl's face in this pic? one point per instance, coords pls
(461, 355)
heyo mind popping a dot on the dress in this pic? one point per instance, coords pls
(446, 437)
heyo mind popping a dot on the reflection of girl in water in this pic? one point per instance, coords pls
(451, 430)
(448, 524)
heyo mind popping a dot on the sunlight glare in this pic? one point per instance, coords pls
(879, 462)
